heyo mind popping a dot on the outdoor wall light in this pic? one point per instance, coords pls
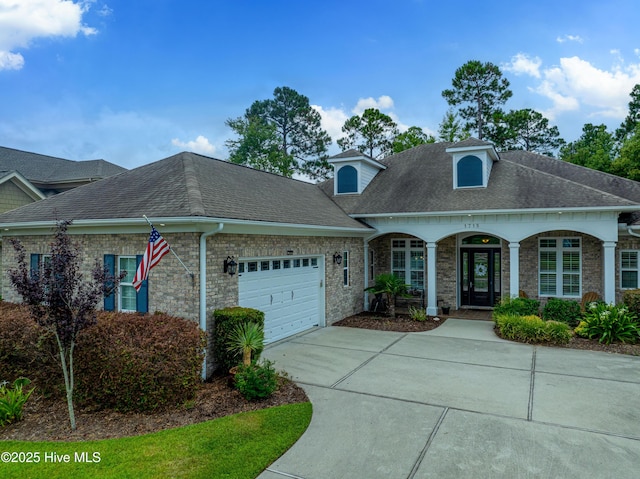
(230, 266)
(337, 258)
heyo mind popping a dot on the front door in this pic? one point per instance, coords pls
(480, 270)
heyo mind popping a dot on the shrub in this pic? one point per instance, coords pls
(564, 311)
(609, 323)
(519, 306)
(256, 381)
(532, 329)
(225, 322)
(418, 314)
(27, 350)
(131, 362)
(631, 299)
(12, 400)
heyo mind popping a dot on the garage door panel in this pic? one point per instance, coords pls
(289, 297)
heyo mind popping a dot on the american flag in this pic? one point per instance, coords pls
(156, 249)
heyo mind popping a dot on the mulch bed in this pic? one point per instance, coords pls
(48, 420)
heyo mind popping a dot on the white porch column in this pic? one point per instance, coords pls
(432, 296)
(514, 270)
(366, 274)
(609, 271)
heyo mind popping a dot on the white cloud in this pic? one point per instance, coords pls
(21, 21)
(521, 64)
(11, 61)
(331, 120)
(384, 102)
(570, 38)
(199, 145)
(576, 83)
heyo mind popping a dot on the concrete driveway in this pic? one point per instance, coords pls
(458, 402)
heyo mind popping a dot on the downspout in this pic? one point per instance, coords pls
(203, 288)
(632, 233)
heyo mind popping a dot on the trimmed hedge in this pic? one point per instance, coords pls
(126, 362)
(564, 311)
(131, 362)
(631, 299)
(225, 321)
(28, 350)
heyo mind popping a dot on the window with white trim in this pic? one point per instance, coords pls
(629, 270)
(560, 267)
(407, 261)
(126, 292)
(345, 268)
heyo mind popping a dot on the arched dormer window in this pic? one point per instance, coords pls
(469, 171)
(347, 179)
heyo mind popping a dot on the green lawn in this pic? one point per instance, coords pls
(238, 446)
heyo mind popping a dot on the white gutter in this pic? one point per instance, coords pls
(630, 231)
(497, 212)
(203, 287)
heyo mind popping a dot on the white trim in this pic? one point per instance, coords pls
(519, 211)
(359, 158)
(24, 184)
(559, 249)
(637, 269)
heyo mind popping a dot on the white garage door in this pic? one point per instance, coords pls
(290, 291)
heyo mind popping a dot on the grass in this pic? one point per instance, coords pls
(238, 446)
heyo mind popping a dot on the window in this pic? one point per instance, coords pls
(345, 268)
(126, 292)
(469, 170)
(347, 180)
(559, 269)
(407, 261)
(629, 270)
(264, 265)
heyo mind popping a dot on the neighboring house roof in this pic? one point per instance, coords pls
(24, 184)
(48, 172)
(420, 180)
(191, 185)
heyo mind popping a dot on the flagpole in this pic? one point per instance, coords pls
(174, 253)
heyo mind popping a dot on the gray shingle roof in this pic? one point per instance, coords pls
(186, 185)
(48, 169)
(421, 180)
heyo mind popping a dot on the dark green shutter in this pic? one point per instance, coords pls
(110, 265)
(142, 296)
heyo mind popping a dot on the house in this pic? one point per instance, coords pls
(458, 221)
(27, 177)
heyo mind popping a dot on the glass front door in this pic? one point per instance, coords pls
(480, 271)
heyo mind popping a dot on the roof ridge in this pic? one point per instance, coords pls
(573, 182)
(192, 184)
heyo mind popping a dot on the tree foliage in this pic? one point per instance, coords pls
(60, 298)
(372, 133)
(282, 135)
(627, 164)
(595, 149)
(628, 126)
(411, 138)
(451, 129)
(527, 130)
(482, 88)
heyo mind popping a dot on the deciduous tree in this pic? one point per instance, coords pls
(628, 126)
(60, 298)
(595, 149)
(413, 137)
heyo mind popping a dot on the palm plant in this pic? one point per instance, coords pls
(392, 286)
(246, 339)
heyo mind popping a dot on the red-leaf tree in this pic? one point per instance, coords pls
(60, 298)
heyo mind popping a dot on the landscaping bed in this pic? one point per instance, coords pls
(382, 322)
(47, 420)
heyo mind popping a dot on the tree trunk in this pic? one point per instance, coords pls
(68, 379)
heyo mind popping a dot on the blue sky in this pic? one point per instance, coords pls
(135, 81)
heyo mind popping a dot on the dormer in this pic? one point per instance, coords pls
(472, 163)
(353, 171)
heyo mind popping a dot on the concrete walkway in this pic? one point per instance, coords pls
(458, 402)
